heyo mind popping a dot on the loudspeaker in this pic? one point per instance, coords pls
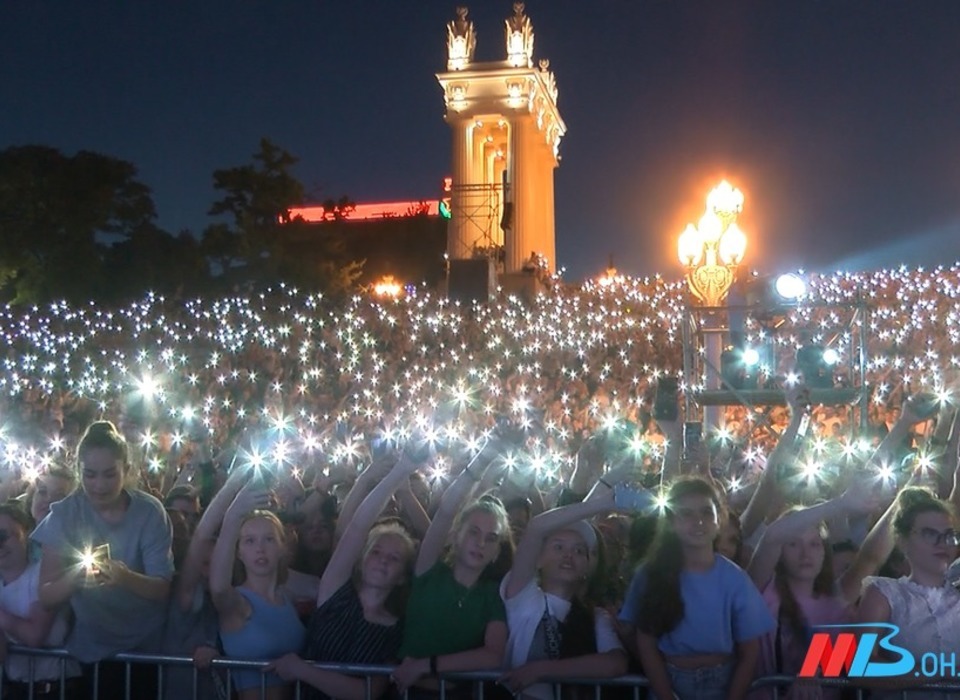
(471, 280)
(506, 221)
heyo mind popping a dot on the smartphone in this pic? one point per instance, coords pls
(93, 559)
(666, 404)
(633, 498)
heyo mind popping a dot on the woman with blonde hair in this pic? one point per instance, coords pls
(360, 602)
(257, 617)
(455, 619)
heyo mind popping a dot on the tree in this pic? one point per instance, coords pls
(258, 198)
(58, 215)
(263, 238)
(155, 260)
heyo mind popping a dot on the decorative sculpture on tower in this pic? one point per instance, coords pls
(461, 41)
(519, 38)
(506, 138)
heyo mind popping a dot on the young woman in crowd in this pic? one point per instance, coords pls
(924, 604)
(700, 618)
(192, 624)
(53, 485)
(257, 618)
(793, 568)
(357, 620)
(554, 632)
(24, 620)
(455, 620)
(106, 550)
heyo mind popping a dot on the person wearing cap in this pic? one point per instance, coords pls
(555, 631)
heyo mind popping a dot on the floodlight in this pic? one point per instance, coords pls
(790, 286)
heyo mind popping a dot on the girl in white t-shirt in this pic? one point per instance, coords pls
(554, 633)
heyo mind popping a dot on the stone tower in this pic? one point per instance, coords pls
(506, 138)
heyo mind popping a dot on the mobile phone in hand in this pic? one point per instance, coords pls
(633, 498)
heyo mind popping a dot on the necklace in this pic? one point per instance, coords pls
(463, 597)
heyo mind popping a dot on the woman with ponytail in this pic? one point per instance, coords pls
(924, 605)
(106, 549)
(699, 617)
(554, 632)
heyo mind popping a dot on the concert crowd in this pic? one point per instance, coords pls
(441, 489)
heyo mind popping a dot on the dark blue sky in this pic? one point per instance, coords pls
(839, 119)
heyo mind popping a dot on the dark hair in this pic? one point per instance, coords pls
(14, 510)
(521, 502)
(913, 501)
(180, 491)
(103, 435)
(661, 606)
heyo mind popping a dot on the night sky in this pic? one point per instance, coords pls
(839, 119)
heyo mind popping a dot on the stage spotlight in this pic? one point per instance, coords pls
(736, 369)
(790, 286)
(816, 363)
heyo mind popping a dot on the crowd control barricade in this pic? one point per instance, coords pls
(222, 670)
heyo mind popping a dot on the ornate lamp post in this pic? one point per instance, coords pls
(713, 249)
(711, 252)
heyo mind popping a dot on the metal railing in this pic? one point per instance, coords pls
(222, 670)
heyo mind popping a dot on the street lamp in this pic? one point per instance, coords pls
(713, 249)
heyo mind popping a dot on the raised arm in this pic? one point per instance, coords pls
(768, 490)
(206, 531)
(229, 603)
(436, 537)
(351, 544)
(855, 500)
(368, 478)
(528, 551)
(874, 551)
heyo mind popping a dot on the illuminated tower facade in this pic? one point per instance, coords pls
(506, 140)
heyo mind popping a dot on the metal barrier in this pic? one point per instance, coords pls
(226, 668)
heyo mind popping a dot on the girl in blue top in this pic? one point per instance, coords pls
(699, 616)
(257, 620)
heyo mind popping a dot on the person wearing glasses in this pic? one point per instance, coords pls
(924, 604)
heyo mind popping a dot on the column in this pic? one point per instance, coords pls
(458, 243)
(521, 240)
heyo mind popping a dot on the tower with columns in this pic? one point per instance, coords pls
(506, 138)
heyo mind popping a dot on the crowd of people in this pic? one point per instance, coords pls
(441, 489)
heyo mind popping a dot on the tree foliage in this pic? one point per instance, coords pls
(262, 242)
(58, 215)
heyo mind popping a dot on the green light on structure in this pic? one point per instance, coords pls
(445, 209)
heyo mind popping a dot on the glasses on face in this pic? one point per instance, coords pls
(935, 537)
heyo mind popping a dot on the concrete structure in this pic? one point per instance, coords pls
(506, 138)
